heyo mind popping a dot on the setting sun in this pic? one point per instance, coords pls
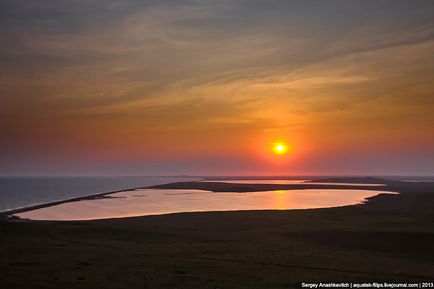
(280, 148)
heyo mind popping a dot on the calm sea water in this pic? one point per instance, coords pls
(17, 192)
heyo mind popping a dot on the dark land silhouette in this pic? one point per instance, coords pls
(389, 238)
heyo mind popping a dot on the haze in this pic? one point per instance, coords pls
(204, 87)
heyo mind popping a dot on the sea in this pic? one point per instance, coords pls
(19, 192)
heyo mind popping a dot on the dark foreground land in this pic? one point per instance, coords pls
(391, 238)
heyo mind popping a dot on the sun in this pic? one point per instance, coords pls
(280, 148)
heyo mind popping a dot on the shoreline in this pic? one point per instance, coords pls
(7, 215)
(127, 183)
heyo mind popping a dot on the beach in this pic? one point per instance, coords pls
(389, 238)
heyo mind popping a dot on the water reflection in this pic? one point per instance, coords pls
(281, 200)
(154, 202)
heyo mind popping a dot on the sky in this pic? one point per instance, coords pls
(108, 87)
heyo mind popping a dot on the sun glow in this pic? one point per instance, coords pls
(280, 148)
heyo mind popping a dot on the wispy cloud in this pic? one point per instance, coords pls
(238, 67)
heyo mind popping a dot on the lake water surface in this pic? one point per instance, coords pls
(146, 202)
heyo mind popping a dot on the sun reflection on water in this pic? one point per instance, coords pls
(281, 199)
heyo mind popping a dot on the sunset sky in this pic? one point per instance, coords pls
(95, 87)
